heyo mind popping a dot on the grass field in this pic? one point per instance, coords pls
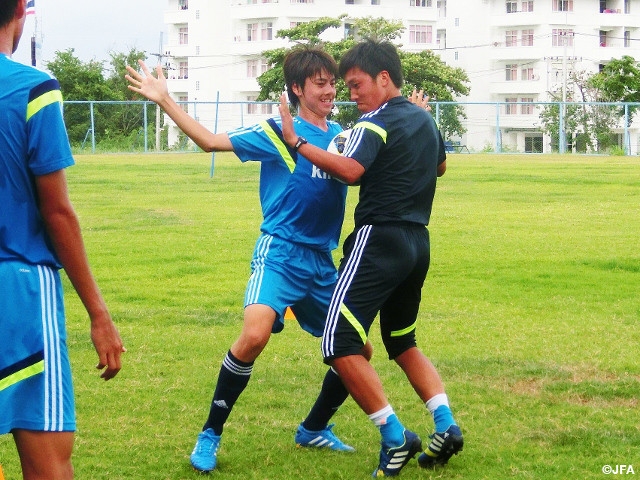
(530, 312)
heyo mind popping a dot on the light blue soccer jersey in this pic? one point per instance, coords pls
(300, 203)
(31, 127)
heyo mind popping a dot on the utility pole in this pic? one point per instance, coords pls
(160, 56)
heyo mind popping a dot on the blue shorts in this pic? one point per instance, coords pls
(36, 392)
(285, 274)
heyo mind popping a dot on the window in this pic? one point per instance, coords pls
(184, 106)
(627, 6)
(512, 6)
(183, 69)
(294, 24)
(603, 38)
(533, 144)
(197, 14)
(511, 108)
(252, 32)
(183, 4)
(627, 38)
(527, 73)
(511, 38)
(512, 72)
(527, 106)
(197, 49)
(183, 35)
(197, 85)
(527, 6)
(252, 108)
(375, 2)
(252, 68)
(527, 38)
(300, 1)
(561, 35)
(264, 66)
(266, 30)
(418, 3)
(420, 34)
(441, 5)
(563, 5)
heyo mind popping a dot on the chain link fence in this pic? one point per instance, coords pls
(490, 127)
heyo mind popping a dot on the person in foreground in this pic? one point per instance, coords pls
(395, 153)
(39, 234)
(292, 266)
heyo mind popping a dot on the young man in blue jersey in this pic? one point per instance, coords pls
(395, 153)
(39, 234)
(292, 265)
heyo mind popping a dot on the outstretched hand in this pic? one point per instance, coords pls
(150, 87)
(420, 99)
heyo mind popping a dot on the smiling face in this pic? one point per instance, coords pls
(317, 96)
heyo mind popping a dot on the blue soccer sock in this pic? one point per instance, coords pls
(442, 415)
(391, 429)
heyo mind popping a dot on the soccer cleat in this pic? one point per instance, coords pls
(205, 454)
(393, 459)
(442, 446)
(321, 439)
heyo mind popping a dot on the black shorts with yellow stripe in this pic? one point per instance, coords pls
(383, 271)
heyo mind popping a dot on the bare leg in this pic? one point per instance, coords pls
(45, 455)
(256, 331)
(362, 382)
(422, 375)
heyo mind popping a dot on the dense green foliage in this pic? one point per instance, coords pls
(589, 123)
(118, 124)
(424, 70)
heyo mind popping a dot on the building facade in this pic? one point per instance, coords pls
(515, 53)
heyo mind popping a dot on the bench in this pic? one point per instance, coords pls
(451, 146)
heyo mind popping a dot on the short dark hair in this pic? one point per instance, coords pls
(7, 11)
(303, 62)
(372, 57)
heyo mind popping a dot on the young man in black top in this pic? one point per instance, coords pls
(395, 153)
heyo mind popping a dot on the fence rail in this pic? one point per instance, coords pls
(495, 127)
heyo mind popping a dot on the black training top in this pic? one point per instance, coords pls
(400, 147)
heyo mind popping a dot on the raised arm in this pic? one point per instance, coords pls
(64, 230)
(155, 89)
(346, 169)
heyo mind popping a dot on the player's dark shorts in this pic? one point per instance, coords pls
(383, 270)
(35, 376)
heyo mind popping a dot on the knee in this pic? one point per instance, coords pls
(367, 350)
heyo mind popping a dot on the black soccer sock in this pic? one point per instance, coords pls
(332, 396)
(232, 380)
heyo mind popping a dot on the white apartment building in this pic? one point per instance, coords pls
(514, 52)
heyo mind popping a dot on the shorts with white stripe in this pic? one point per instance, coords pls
(285, 274)
(36, 390)
(383, 271)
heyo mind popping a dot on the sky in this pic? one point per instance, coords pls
(93, 28)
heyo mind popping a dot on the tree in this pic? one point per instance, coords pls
(423, 70)
(588, 125)
(86, 81)
(619, 81)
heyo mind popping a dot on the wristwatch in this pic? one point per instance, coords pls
(301, 141)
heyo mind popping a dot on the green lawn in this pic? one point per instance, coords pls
(530, 312)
